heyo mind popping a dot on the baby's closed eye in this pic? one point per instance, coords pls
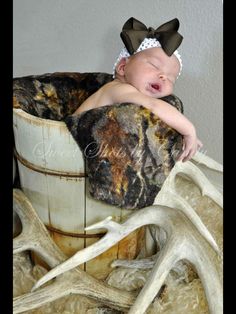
(154, 65)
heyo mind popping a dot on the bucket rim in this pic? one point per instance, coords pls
(29, 117)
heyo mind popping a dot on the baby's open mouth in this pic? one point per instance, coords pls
(156, 87)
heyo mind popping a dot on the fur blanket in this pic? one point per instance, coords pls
(128, 151)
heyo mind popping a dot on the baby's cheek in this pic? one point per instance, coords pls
(170, 88)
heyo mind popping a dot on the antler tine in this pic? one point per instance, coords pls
(20, 243)
(34, 300)
(34, 235)
(168, 197)
(76, 282)
(207, 161)
(115, 233)
(144, 263)
(199, 256)
(169, 255)
(192, 171)
(84, 255)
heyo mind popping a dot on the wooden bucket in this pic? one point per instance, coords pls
(52, 175)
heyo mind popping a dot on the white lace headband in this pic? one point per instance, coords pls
(146, 43)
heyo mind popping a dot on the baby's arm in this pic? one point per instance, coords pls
(167, 113)
(116, 92)
(175, 119)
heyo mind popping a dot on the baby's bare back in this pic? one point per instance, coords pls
(99, 99)
(111, 93)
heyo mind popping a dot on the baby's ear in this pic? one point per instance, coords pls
(120, 68)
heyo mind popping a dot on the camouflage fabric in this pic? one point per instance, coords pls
(128, 150)
(55, 95)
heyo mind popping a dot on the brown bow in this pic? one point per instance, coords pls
(134, 32)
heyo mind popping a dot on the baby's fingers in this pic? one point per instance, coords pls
(184, 154)
(189, 155)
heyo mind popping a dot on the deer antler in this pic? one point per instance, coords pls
(166, 197)
(196, 175)
(187, 238)
(35, 237)
(183, 242)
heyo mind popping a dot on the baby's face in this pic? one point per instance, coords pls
(152, 72)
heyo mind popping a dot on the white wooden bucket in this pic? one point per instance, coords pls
(52, 175)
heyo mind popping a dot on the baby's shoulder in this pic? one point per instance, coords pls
(117, 86)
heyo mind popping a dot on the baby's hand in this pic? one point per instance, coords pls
(190, 146)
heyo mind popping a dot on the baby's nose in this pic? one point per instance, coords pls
(162, 76)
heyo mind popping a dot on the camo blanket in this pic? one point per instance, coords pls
(128, 151)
